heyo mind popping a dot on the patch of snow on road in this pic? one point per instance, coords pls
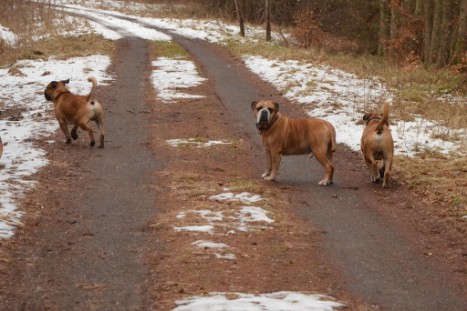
(204, 228)
(195, 142)
(278, 301)
(244, 197)
(171, 75)
(209, 244)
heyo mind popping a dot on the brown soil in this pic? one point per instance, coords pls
(40, 267)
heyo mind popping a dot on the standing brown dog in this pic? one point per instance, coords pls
(76, 109)
(377, 145)
(285, 136)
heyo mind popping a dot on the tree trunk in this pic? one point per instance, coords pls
(394, 26)
(445, 35)
(427, 12)
(268, 20)
(240, 17)
(383, 29)
(436, 31)
(461, 42)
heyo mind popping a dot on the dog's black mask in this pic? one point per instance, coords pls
(263, 123)
(47, 97)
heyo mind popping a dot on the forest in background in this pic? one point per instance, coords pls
(430, 32)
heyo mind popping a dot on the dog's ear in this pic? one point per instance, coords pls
(253, 104)
(366, 116)
(66, 81)
(53, 84)
(276, 106)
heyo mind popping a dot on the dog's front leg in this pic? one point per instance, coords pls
(268, 164)
(275, 163)
(64, 128)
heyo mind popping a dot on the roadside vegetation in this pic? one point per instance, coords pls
(423, 81)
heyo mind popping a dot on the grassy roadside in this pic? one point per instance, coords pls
(438, 180)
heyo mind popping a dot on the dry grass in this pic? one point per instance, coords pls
(438, 181)
(40, 34)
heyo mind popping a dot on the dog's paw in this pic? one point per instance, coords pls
(93, 142)
(270, 178)
(325, 182)
(266, 174)
(68, 141)
(74, 135)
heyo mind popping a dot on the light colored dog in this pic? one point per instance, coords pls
(76, 109)
(377, 145)
(286, 136)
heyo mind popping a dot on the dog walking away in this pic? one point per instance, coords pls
(377, 145)
(285, 136)
(77, 110)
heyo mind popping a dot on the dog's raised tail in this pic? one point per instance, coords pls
(384, 120)
(93, 89)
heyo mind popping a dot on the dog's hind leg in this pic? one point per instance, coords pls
(373, 168)
(328, 168)
(91, 134)
(74, 133)
(387, 171)
(100, 126)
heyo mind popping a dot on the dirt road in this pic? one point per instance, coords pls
(98, 228)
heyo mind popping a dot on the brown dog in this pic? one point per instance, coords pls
(76, 109)
(285, 136)
(377, 145)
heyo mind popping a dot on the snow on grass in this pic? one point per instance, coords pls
(278, 301)
(340, 98)
(209, 244)
(22, 90)
(244, 197)
(172, 75)
(235, 219)
(208, 30)
(200, 143)
(203, 229)
(8, 36)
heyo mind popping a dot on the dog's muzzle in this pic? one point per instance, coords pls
(263, 120)
(47, 96)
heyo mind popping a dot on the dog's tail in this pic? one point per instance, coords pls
(384, 120)
(333, 139)
(93, 89)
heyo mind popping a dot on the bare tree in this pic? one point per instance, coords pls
(267, 11)
(383, 32)
(239, 11)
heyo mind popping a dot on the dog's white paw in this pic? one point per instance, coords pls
(266, 174)
(270, 178)
(325, 182)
